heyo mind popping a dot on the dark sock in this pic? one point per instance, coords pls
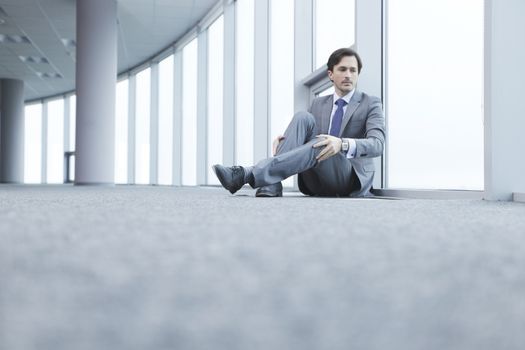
(248, 175)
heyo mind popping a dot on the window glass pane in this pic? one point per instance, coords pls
(245, 57)
(215, 93)
(55, 141)
(72, 121)
(435, 122)
(334, 28)
(326, 92)
(166, 121)
(142, 127)
(121, 132)
(33, 143)
(189, 114)
(281, 68)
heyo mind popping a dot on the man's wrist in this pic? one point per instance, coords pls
(345, 145)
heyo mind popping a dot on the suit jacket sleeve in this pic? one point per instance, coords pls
(374, 139)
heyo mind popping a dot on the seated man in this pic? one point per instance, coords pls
(331, 146)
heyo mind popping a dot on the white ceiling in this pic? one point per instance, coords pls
(37, 37)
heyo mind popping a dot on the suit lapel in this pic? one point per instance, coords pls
(326, 113)
(352, 106)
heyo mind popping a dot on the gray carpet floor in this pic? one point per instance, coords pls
(197, 268)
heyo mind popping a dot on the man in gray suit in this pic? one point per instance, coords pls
(331, 146)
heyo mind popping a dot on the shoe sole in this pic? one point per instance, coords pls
(268, 195)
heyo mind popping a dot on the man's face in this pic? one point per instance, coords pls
(344, 75)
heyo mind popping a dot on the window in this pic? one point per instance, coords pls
(165, 169)
(435, 94)
(72, 121)
(334, 28)
(281, 68)
(33, 144)
(245, 56)
(72, 137)
(142, 127)
(55, 141)
(189, 114)
(121, 132)
(215, 96)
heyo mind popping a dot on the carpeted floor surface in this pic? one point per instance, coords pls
(195, 268)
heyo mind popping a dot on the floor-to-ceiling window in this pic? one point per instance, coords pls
(244, 76)
(121, 132)
(33, 143)
(55, 141)
(281, 68)
(142, 127)
(165, 149)
(189, 113)
(70, 147)
(215, 97)
(334, 28)
(435, 94)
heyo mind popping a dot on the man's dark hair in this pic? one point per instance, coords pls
(338, 55)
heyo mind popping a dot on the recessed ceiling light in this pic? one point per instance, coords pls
(49, 75)
(33, 59)
(69, 43)
(14, 39)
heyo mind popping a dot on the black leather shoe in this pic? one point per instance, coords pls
(231, 178)
(274, 190)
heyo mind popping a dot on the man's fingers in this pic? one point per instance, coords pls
(320, 143)
(323, 154)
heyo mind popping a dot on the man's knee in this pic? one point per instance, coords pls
(305, 117)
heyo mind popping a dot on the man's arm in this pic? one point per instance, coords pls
(372, 144)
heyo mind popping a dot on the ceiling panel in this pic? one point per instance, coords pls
(145, 28)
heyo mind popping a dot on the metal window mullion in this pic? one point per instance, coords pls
(303, 55)
(202, 107)
(132, 93)
(154, 125)
(369, 45)
(67, 123)
(262, 77)
(43, 178)
(177, 118)
(228, 116)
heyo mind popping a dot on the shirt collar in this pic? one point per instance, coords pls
(346, 97)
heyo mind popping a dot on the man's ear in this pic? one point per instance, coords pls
(330, 75)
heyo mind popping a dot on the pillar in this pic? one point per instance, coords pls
(504, 113)
(11, 131)
(96, 78)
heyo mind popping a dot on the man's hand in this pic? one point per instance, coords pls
(332, 146)
(275, 143)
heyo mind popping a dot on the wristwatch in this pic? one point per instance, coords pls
(345, 145)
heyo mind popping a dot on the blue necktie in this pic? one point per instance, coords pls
(337, 119)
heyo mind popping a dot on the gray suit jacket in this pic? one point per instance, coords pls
(364, 122)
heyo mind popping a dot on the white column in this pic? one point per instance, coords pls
(96, 78)
(11, 131)
(504, 113)
(261, 79)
